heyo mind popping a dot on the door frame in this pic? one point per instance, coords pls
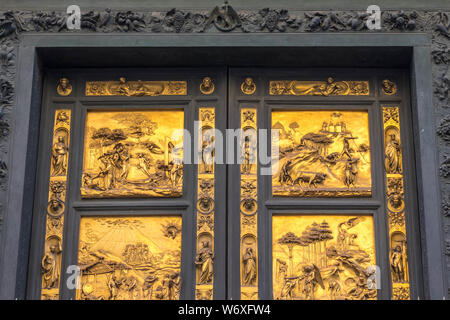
(18, 208)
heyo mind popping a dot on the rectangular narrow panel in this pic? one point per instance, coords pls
(319, 88)
(323, 257)
(204, 259)
(322, 154)
(249, 205)
(135, 88)
(130, 258)
(395, 197)
(56, 207)
(133, 154)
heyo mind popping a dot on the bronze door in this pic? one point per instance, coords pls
(325, 209)
(118, 215)
(336, 216)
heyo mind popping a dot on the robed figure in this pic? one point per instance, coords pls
(393, 152)
(249, 260)
(50, 267)
(204, 260)
(59, 157)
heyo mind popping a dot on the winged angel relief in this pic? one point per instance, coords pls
(332, 260)
(322, 153)
(132, 154)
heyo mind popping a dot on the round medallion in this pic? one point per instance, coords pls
(55, 208)
(207, 86)
(388, 87)
(248, 86)
(205, 205)
(64, 88)
(248, 206)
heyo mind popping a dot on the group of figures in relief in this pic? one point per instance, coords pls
(332, 260)
(132, 154)
(128, 259)
(322, 153)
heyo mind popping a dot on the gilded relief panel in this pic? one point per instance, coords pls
(323, 257)
(130, 258)
(133, 154)
(122, 87)
(322, 154)
(319, 88)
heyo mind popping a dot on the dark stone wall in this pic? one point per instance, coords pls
(282, 16)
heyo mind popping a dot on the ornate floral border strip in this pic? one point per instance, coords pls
(395, 203)
(51, 260)
(205, 206)
(249, 206)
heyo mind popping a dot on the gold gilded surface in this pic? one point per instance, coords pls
(395, 198)
(64, 88)
(319, 88)
(129, 258)
(133, 154)
(204, 259)
(59, 161)
(123, 87)
(322, 154)
(323, 257)
(249, 206)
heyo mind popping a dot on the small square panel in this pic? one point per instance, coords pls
(323, 257)
(322, 154)
(130, 258)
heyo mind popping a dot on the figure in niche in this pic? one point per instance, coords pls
(204, 260)
(249, 260)
(393, 155)
(59, 157)
(50, 266)
(248, 159)
(208, 152)
(398, 270)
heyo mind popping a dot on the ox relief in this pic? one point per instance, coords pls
(323, 257)
(322, 154)
(133, 154)
(130, 258)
